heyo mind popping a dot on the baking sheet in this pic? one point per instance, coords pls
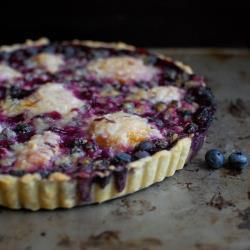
(195, 209)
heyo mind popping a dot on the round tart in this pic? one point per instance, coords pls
(84, 122)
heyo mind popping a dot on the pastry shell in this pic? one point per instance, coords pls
(59, 190)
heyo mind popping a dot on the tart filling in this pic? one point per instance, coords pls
(122, 130)
(48, 61)
(72, 111)
(121, 68)
(37, 152)
(50, 97)
(8, 73)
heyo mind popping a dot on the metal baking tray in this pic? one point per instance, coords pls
(195, 209)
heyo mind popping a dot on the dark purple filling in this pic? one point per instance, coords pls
(94, 161)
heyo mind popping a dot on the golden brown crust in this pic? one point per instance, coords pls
(28, 43)
(59, 190)
(94, 44)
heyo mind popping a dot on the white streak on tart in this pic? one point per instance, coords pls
(120, 129)
(48, 98)
(38, 151)
(164, 94)
(121, 68)
(50, 62)
(8, 73)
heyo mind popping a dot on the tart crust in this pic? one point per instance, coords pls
(60, 191)
(32, 192)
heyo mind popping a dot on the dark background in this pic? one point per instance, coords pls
(155, 23)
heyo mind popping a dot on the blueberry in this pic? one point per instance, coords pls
(122, 158)
(145, 146)
(238, 160)
(24, 131)
(64, 167)
(170, 74)
(101, 165)
(161, 144)
(17, 92)
(2, 92)
(129, 106)
(7, 134)
(189, 98)
(51, 48)
(191, 128)
(203, 117)
(202, 95)
(183, 77)
(205, 96)
(23, 128)
(44, 173)
(141, 154)
(186, 113)
(78, 142)
(214, 158)
(69, 52)
(159, 123)
(31, 51)
(98, 53)
(17, 173)
(150, 59)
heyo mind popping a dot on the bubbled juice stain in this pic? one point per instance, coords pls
(129, 208)
(219, 202)
(110, 240)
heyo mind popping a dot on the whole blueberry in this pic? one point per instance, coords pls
(122, 158)
(150, 59)
(170, 74)
(191, 128)
(214, 158)
(141, 154)
(238, 160)
(23, 128)
(161, 144)
(146, 146)
(203, 117)
(17, 92)
(78, 142)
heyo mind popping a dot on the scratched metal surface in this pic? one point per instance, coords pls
(195, 209)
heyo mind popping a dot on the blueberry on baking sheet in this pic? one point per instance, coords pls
(215, 159)
(237, 160)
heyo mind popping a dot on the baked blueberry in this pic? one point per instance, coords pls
(214, 158)
(204, 117)
(191, 128)
(78, 142)
(122, 158)
(238, 160)
(146, 146)
(17, 92)
(170, 74)
(141, 154)
(23, 128)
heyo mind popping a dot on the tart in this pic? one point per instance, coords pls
(85, 122)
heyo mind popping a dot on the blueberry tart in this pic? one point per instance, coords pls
(84, 122)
